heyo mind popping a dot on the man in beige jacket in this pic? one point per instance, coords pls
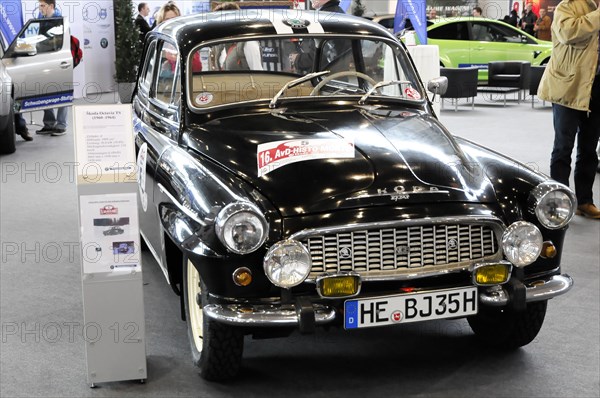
(572, 83)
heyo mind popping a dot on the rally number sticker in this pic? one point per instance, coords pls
(273, 155)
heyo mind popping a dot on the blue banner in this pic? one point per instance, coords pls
(345, 5)
(415, 11)
(11, 19)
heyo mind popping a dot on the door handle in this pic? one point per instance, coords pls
(65, 65)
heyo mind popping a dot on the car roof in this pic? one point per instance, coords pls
(448, 20)
(445, 20)
(190, 30)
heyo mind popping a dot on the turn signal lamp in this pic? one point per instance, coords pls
(548, 250)
(491, 274)
(242, 276)
(336, 286)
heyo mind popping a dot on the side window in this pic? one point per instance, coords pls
(146, 75)
(41, 36)
(482, 32)
(451, 31)
(506, 34)
(168, 62)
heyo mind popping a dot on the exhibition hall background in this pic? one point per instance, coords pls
(92, 22)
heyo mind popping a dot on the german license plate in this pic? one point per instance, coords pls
(411, 307)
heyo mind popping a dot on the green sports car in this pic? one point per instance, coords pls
(468, 41)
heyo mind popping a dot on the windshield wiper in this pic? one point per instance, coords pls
(293, 83)
(384, 83)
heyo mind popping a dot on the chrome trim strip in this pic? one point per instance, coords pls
(492, 221)
(544, 290)
(264, 315)
(181, 207)
(409, 274)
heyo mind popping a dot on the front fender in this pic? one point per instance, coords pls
(196, 189)
(513, 182)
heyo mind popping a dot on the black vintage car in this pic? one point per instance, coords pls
(293, 175)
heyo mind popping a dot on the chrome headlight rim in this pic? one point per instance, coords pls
(271, 254)
(541, 192)
(509, 234)
(231, 210)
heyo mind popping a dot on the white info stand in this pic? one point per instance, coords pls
(113, 305)
(427, 60)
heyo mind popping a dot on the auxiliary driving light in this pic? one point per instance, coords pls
(287, 263)
(522, 243)
(339, 285)
(492, 273)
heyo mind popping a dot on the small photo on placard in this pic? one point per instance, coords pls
(109, 233)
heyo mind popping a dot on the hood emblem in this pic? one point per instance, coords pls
(452, 244)
(402, 250)
(345, 252)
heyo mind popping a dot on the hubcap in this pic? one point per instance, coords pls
(195, 315)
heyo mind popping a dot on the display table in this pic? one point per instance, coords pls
(427, 60)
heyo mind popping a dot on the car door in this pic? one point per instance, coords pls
(496, 42)
(156, 128)
(40, 64)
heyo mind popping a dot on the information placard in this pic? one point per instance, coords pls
(104, 144)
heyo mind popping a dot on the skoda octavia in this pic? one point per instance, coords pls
(293, 175)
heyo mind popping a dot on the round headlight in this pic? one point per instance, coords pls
(554, 204)
(241, 227)
(522, 243)
(287, 263)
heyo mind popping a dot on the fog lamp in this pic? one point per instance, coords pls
(242, 276)
(335, 286)
(492, 274)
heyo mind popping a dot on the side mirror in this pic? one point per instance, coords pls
(25, 50)
(438, 85)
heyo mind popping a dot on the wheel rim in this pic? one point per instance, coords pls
(195, 315)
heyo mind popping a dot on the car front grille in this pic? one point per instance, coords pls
(404, 250)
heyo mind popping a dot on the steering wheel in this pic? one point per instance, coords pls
(327, 79)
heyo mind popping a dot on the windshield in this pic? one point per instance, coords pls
(241, 71)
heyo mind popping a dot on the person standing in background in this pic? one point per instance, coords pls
(54, 124)
(141, 23)
(571, 82)
(477, 12)
(528, 20)
(542, 26)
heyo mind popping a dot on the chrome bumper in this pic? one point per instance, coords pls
(539, 290)
(265, 315)
(288, 315)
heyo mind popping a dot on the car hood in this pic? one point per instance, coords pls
(315, 161)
